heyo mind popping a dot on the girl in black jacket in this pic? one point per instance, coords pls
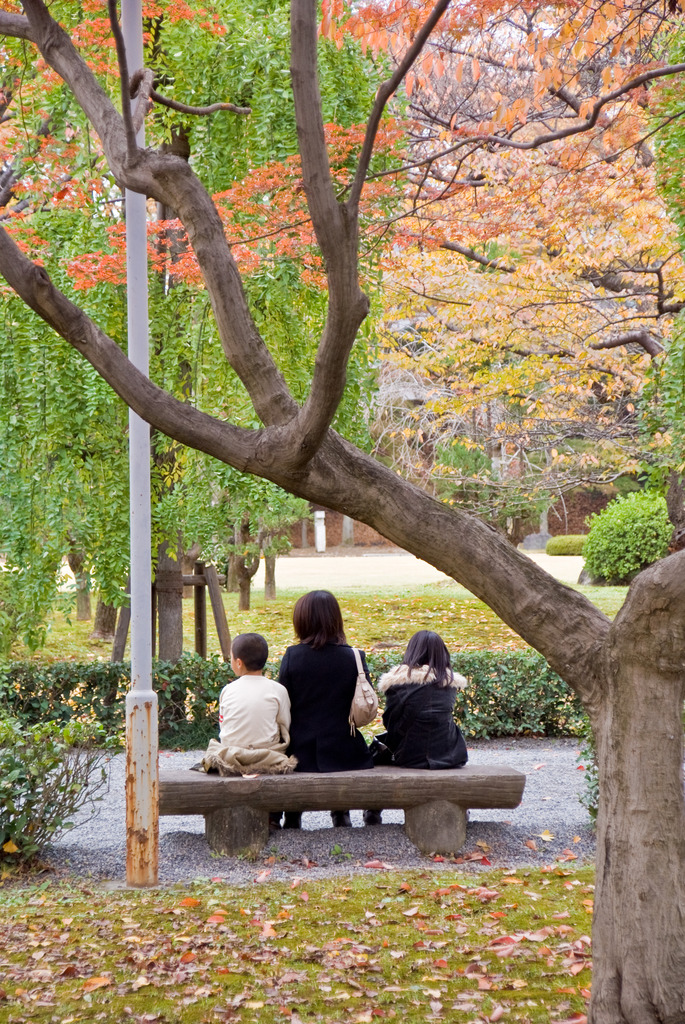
(418, 716)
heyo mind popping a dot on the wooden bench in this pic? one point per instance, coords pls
(435, 803)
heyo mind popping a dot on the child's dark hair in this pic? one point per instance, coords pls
(428, 649)
(252, 649)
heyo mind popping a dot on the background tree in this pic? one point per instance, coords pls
(536, 287)
(628, 672)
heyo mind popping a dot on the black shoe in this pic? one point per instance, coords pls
(341, 819)
(293, 819)
(373, 818)
(199, 767)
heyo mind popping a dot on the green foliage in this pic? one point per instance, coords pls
(47, 772)
(570, 544)
(509, 694)
(587, 757)
(63, 466)
(94, 693)
(630, 534)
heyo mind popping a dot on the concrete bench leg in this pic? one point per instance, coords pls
(237, 830)
(437, 826)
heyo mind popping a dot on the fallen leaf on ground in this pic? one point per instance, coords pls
(90, 984)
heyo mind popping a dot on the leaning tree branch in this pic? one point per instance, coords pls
(337, 231)
(175, 418)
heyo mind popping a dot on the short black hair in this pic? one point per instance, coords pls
(252, 649)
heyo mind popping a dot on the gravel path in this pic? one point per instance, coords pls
(96, 848)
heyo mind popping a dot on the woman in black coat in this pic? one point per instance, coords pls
(320, 675)
(418, 716)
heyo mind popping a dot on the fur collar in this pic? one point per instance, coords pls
(402, 675)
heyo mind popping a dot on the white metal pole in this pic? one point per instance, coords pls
(142, 807)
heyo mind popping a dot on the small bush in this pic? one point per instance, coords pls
(47, 772)
(630, 534)
(570, 544)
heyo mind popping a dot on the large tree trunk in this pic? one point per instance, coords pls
(169, 589)
(639, 921)
(105, 621)
(269, 577)
(246, 565)
(232, 575)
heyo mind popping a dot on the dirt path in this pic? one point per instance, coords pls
(356, 568)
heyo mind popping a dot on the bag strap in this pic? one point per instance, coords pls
(358, 659)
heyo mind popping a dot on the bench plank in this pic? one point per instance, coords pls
(435, 803)
(477, 786)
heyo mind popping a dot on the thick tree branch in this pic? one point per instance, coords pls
(122, 60)
(327, 215)
(15, 25)
(337, 232)
(166, 413)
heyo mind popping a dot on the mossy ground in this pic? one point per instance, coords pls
(414, 946)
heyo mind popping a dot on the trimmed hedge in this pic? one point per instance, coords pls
(509, 694)
(567, 544)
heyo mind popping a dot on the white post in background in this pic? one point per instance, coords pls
(142, 807)
(320, 531)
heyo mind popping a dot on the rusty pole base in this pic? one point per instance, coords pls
(142, 797)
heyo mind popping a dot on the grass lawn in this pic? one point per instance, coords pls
(428, 946)
(382, 617)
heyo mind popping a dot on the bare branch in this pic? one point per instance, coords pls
(588, 122)
(186, 108)
(129, 126)
(643, 338)
(384, 93)
(471, 254)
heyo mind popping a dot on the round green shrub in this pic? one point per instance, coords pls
(630, 534)
(570, 544)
